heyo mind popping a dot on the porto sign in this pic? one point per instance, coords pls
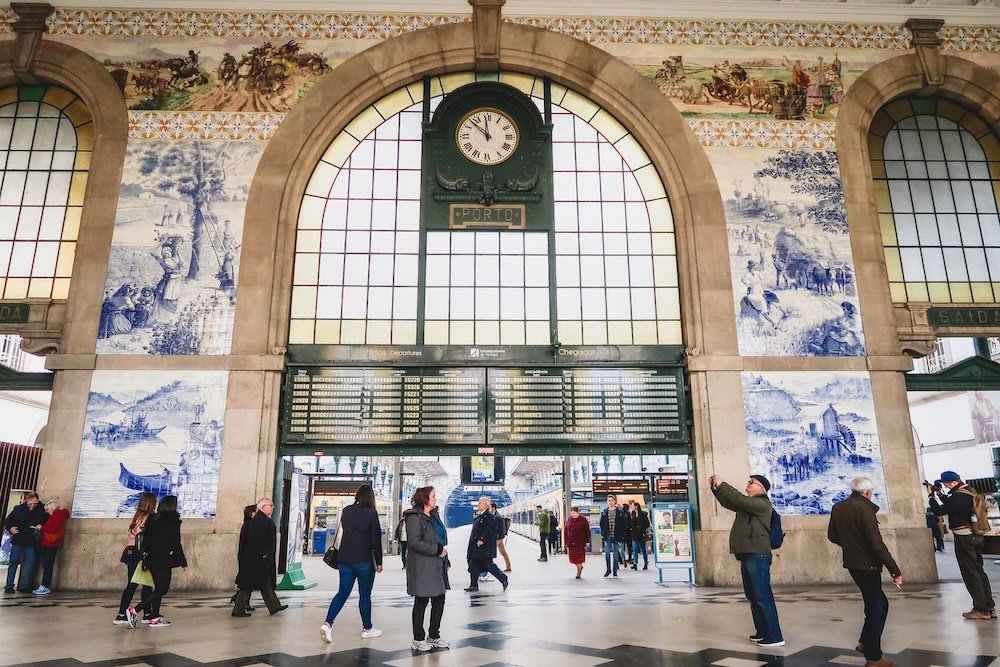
(987, 316)
(14, 313)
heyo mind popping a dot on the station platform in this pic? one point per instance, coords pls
(546, 618)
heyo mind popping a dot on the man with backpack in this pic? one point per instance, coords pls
(750, 541)
(854, 528)
(968, 522)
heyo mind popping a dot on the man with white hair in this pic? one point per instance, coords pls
(483, 546)
(854, 528)
(257, 565)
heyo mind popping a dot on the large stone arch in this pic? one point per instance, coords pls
(328, 107)
(890, 329)
(76, 71)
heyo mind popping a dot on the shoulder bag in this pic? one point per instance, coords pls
(331, 557)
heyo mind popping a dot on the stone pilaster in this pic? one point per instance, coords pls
(486, 31)
(30, 25)
(927, 44)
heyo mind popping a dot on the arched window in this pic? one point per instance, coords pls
(937, 181)
(46, 141)
(358, 263)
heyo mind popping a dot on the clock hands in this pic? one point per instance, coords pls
(485, 132)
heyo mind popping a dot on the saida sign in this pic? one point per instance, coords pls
(14, 313)
(988, 316)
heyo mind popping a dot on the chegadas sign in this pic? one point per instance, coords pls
(986, 316)
(14, 313)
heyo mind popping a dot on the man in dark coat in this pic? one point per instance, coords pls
(854, 528)
(483, 547)
(22, 522)
(257, 566)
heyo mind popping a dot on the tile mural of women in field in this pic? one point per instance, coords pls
(149, 431)
(810, 434)
(790, 255)
(175, 253)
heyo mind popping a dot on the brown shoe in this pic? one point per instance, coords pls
(881, 662)
(993, 613)
(975, 615)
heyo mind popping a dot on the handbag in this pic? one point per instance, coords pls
(647, 535)
(331, 557)
(142, 576)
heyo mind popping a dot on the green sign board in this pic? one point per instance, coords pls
(14, 313)
(984, 316)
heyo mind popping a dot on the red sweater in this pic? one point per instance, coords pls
(54, 530)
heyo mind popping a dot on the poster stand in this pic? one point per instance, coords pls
(673, 541)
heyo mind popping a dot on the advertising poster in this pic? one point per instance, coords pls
(672, 534)
(482, 469)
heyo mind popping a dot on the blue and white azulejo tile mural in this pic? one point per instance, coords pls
(790, 254)
(150, 431)
(175, 254)
(810, 434)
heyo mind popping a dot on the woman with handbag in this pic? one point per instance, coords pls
(358, 543)
(577, 537)
(132, 554)
(642, 533)
(425, 559)
(161, 552)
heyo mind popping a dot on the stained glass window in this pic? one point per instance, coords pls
(46, 141)
(357, 266)
(937, 181)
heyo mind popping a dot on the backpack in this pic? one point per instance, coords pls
(980, 523)
(776, 535)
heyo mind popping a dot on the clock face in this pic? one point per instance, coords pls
(487, 136)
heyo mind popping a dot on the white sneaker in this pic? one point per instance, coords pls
(438, 643)
(371, 633)
(41, 590)
(326, 632)
(120, 620)
(780, 642)
(421, 646)
(159, 623)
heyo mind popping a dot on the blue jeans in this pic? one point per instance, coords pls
(639, 547)
(612, 552)
(756, 571)
(364, 574)
(28, 552)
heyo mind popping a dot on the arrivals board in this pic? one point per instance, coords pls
(586, 405)
(383, 405)
(611, 486)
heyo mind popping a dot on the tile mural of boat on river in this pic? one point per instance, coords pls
(810, 434)
(150, 431)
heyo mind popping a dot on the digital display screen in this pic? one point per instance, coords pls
(605, 487)
(482, 469)
(672, 485)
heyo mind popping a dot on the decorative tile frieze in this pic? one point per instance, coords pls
(764, 134)
(219, 126)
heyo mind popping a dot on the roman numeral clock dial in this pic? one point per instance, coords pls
(487, 136)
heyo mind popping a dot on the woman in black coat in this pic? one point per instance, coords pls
(162, 551)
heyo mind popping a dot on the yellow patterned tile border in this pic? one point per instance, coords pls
(244, 126)
(319, 25)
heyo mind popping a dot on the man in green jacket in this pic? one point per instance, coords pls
(750, 542)
(542, 521)
(854, 528)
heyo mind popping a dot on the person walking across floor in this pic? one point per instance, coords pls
(161, 553)
(959, 505)
(503, 527)
(576, 537)
(482, 547)
(400, 536)
(133, 553)
(750, 542)
(640, 529)
(24, 523)
(553, 532)
(626, 551)
(854, 528)
(542, 521)
(359, 558)
(258, 570)
(248, 513)
(613, 520)
(53, 534)
(425, 569)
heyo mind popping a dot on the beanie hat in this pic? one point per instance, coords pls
(763, 481)
(950, 476)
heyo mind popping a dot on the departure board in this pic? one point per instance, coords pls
(383, 405)
(586, 405)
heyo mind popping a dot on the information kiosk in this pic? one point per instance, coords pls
(673, 530)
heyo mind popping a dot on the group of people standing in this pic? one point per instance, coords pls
(36, 533)
(625, 531)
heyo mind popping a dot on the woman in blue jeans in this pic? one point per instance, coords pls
(359, 557)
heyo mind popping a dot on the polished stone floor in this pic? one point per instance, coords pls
(546, 619)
